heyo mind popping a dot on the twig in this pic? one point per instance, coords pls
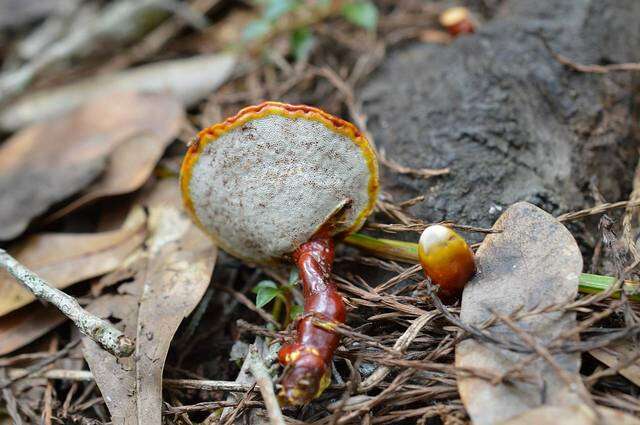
(47, 410)
(87, 376)
(423, 173)
(99, 330)
(10, 400)
(598, 209)
(206, 406)
(37, 367)
(590, 69)
(157, 38)
(572, 381)
(249, 304)
(239, 408)
(627, 222)
(401, 344)
(263, 379)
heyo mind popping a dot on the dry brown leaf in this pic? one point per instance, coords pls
(24, 326)
(572, 415)
(132, 162)
(177, 278)
(115, 377)
(187, 79)
(534, 262)
(173, 273)
(63, 259)
(51, 161)
(618, 353)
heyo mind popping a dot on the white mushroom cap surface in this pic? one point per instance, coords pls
(265, 181)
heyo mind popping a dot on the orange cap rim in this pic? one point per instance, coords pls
(333, 123)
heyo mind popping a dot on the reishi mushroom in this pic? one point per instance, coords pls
(279, 182)
(446, 259)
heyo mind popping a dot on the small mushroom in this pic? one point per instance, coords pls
(457, 21)
(446, 259)
(279, 182)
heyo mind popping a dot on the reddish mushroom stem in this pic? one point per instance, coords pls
(308, 360)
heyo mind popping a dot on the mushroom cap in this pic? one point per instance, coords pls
(264, 181)
(453, 16)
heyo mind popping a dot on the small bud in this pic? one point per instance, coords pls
(446, 259)
(457, 20)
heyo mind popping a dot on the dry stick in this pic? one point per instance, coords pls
(37, 367)
(423, 173)
(263, 379)
(401, 344)
(249, 304)
(10, 400)
(405, 274)
(238, 410)
(206, 406)
(591, 69)
(87, 376)
(598, 209)
(625, 362)
(573, 382)
(100, 331)
(47, 410)
(563, 336)
(387, 392)
(627, 222)
(160, 35)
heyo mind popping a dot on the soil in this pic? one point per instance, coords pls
(510, 121)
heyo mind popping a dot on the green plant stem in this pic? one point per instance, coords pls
(276, 312)
(408, 252)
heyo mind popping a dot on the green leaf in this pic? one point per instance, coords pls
(296, 311)
(276, 8)
(255, 30)
(265, 295)
(264, 284)
(301, 43)
(361, 13)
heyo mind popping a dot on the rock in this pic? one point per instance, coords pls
(510, 121)
(534, 262)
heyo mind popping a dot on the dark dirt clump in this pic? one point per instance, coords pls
(506, 117)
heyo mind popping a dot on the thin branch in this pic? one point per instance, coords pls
(86, 376)
(598, 209)
(423, 173)
(589, 69)
(400, 345)
(99, 330)
(37, 367)
(263, 379)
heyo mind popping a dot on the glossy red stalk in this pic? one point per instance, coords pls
(308, 360)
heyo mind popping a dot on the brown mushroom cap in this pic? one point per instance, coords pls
(266, 180)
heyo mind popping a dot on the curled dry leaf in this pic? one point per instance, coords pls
(173, 272)
(48, 162)
(534, 262)
(188, 80)
(572, 415)
(24, 326)
(620, 352)
(67, 258)
(133, 161)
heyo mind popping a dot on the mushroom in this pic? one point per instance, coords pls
(457, 21)
(446, 259)
(279, 182)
